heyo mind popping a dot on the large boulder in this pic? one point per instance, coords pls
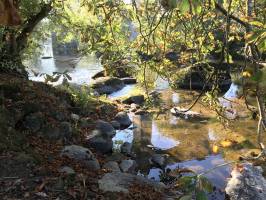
(128, 166)
(105, 129)
(102, 137)
(183, 113)
(123, 119)
(99, 74)
(121, 182)
(129, 80)
(136, 99)
(101, 144)
(107, 85)
(82, 155)
(246, 183)
(197, 78)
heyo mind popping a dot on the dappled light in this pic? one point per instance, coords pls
(132, 99)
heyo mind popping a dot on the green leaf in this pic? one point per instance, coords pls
(186, 197)
(184, 6)
(201, 195)
(257, 76)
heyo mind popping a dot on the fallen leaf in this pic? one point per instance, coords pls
(215, 149)
(226, 143)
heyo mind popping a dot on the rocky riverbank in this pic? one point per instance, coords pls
(53, 146)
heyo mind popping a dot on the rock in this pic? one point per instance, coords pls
(247, 183)
(122, 72)
(123, 119)
(65, 129)
(128, 166)
(141, 112)
(107, 85)
(101, 144)
(172, 56)
(180, 112)
(134, 106)
(158, 160)
(93, 164)
(75, 117)
(121, 182)
(112, 165)
(115, 124)
(105, 129)
(78, 153)
(126, 148)
(107, 110)
(33, 122)
(129, 80)
(137, 99)
(67, 170)
(86, 123)
(82, 155)
(196, 77)
(99, 74)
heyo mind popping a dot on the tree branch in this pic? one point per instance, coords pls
(223, 11)
(31, 23)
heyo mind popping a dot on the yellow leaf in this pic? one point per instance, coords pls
(246, 74)
(226, 143)
(215, 149)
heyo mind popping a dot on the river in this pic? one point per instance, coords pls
(186, 143)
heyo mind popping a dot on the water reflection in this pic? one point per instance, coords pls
(80, 69)
(160, 141)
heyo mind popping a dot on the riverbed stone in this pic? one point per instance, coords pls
(247, 182)
(77, 152)
(126, 148)
(106, 129)
(158, 160)
(123, 119)
(33, 122)
(181, 112)
(137, 99)
(99, 74)
(129, 80)
(115, 124)
(121, 182)
(66, 129)
(197, 78)
(112, 165)
(101, 144)
(128, 166)
(67, 170)
(75, 117)
(107, 85)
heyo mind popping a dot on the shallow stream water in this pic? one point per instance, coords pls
(187, 143)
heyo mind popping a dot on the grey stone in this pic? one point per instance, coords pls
(78, 153)
(67, 170)
(75, 117)
(121, 182)
(128, 166)
(247, 184)
(99, 74)
(158, 160)
(141, 112)
(101, 144)
(106, 129)
(126, 148)
(93, 164)
(129, 80)
(107, 85)
(65, 129)
(33, 122)
(123, 119)
(115, 124)
(137, 99)
(181, 112)
(112, 165)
